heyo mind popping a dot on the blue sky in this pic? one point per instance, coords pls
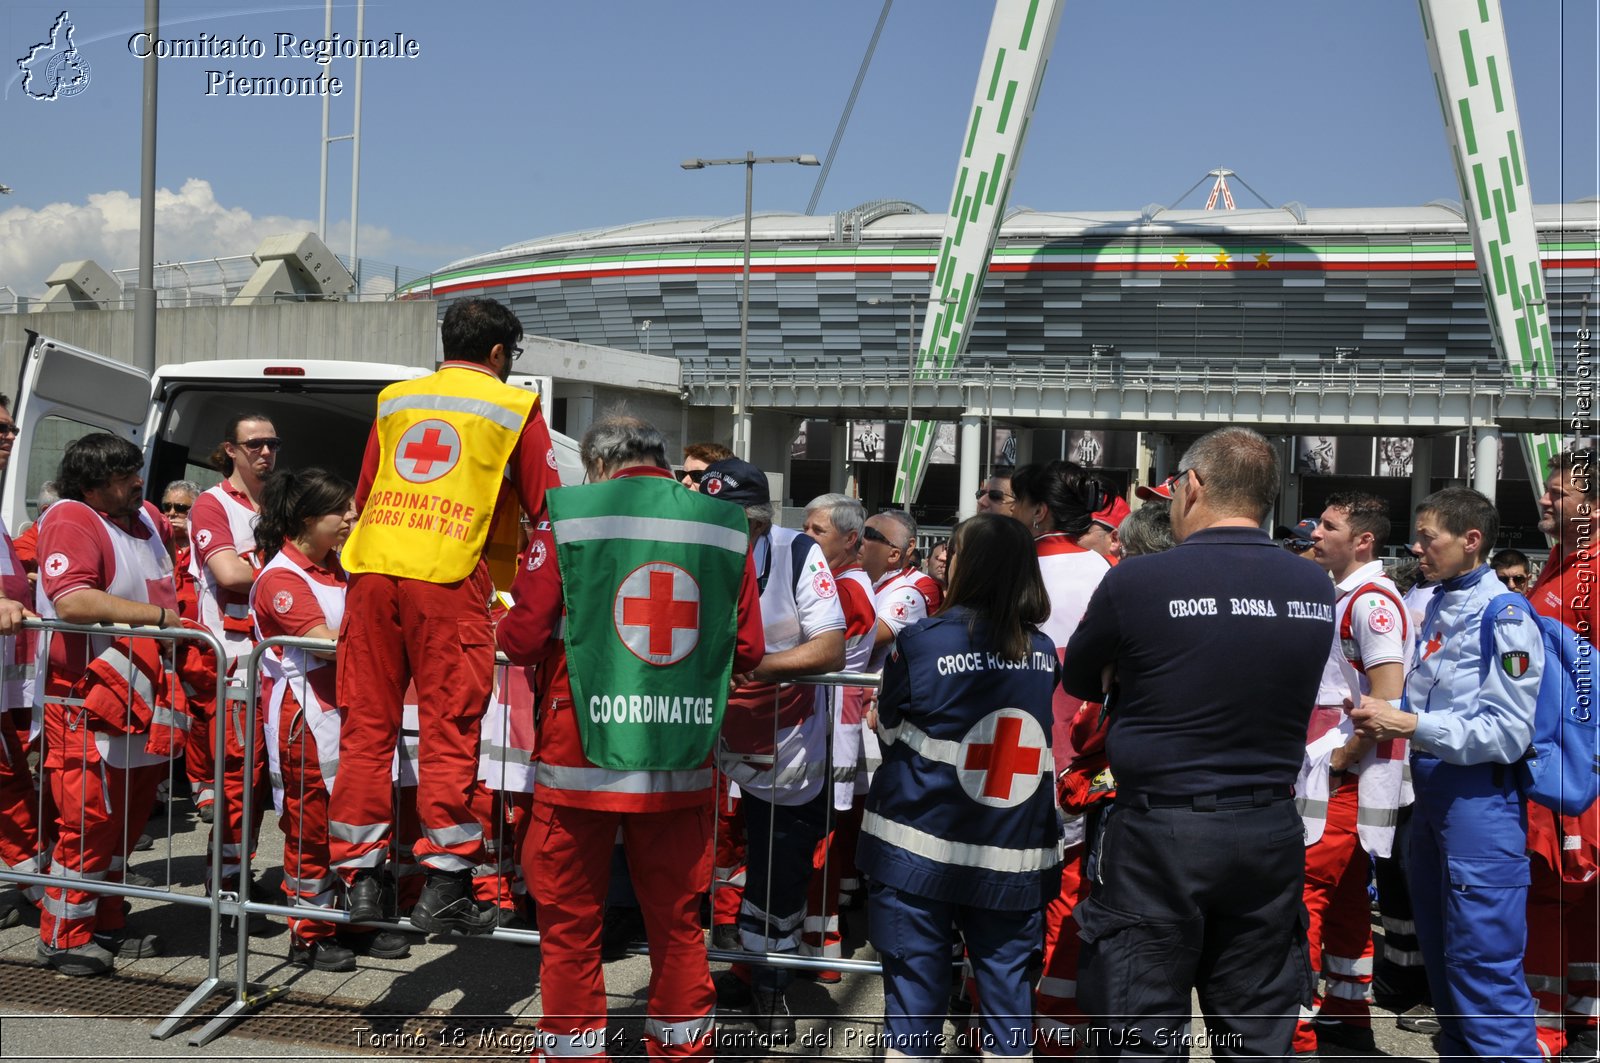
(523, 119)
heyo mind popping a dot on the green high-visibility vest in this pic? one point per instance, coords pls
(650, 573)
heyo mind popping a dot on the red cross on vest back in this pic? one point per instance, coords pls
(426, 451)
(1003, 758)
(661, 613)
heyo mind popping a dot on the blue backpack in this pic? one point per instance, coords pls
(1561, 769)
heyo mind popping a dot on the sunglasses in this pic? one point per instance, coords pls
(873, 535)
(9, 429)
(695, 475)
(269, 443)
(1515, 581)
(174, 507)
(994, 495)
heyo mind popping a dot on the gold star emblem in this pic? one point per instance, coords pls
(1223, 258)
(1181, 259)
(1263, 260)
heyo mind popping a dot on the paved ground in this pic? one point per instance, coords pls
(453, 998)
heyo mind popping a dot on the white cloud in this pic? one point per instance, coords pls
(190, 225)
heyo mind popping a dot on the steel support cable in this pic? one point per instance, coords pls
(849, 105)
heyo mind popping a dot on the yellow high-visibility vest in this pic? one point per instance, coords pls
(444, 441)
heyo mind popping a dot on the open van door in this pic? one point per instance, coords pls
(65, 393)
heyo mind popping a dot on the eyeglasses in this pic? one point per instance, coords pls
(1515, 581)
(270, 443)
(9, 428)
(873, 535)
(174, 507)
(995, 495)
(695, 475)
(516, 352)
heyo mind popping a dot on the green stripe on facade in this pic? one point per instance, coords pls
(994, 78)
(1513, 285)
(1005, 107)
(1466, 58)
(1466, 126)
(1499, 274)
(1482, 186)
(1483, 10)
(1507, 185)
(1500, 217)
(1027, 25)
(999, 168)
(1516, 154)
(972, 133)
(976, 203)
(1494, 85)
(961, 185)
(1525, 343)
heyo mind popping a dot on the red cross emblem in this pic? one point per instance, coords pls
(822, 583)
(427, 451)
(657, 613)
(1433, 644)
(1002, 758)
(55, 564)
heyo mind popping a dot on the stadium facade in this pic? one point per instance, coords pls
(1154, 288)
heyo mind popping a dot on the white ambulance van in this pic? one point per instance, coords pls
(323, 411)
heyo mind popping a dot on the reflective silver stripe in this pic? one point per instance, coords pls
(1399, 926)
(446, 862)
(1349, 990)
(678, 1034)
(828, 950)
(1060, 988)
(1346, 966)
(1549, 1020)
(728, 877)
(844, 774)
(749, 909)
(489, 411)
(1583, 972)
(819, 924)
(504, 754)
(1544, 983)
(308, 886)
(1310, 809)
(651, 530)
(178, 721)
(577, 1045)
(128, 670)
(1403, 958)
(921, 743)
(962, 854)
(325, 899)
(57, 871)
(1378, 817)
(454, 834)
(58, 907)
(237, 610)
(604, 780)
(358, 833)
(753, 942)
(277, 779)
(1585, 1006)
(365, 860)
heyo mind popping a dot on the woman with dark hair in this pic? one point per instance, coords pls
(960, 831)
(1057, 502)
(305, 519)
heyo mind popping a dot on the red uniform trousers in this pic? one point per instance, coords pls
(199, 759)
(833, 862)
(1062, 1024)
(727, 881)
(1562, 964)
(567, 861)
(395, 630)
(1339, 917)
(19, 825)
(98, 812)
(307, 876)
(229, 816)
(499, 880)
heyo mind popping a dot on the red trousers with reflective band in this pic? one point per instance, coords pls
(1062, 1024)
(100, 811)
(307, 875)
(229, 807)
(1339, 917)
(499, 880)
(567, 860)
(727, 892)
(199, 759)
(1562, 964)
(19, 825)
(394, 631)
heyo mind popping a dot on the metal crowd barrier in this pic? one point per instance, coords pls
(250, 996)
(215, 902)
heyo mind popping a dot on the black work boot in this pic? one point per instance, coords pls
(447, 906)
(322, 954)
(770, 1012)
(363, 897)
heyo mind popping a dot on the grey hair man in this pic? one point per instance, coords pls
(904, 594)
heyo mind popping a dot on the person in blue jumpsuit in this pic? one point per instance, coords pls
(960, 831)
(1469, 717)
(1218, 647)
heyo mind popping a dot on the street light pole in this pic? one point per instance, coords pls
(741, 405)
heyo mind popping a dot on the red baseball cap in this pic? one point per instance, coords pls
(1162, 490)
(1112, 516)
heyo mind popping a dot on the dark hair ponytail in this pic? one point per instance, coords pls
(995, 573)
(1069, 491)
(289, 499)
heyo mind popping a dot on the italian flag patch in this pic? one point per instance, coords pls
(1515, 663)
